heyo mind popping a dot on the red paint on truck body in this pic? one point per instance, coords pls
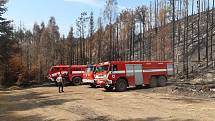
(68, 72)
(134, 72)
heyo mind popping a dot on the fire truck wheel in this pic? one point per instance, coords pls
(162, 81)
(153, 82)
(76, 81)
(121, 85)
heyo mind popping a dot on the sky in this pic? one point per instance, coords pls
(27, 12)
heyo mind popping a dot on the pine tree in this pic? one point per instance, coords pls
(5, 42)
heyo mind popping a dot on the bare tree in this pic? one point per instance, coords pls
(81, 30)
(142, 12)
(110, 15)
(212, 24)
(70, 47)
(207, 36)
(199, 17)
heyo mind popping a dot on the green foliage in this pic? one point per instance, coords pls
(5, 42)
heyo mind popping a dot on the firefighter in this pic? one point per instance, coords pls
(60, 83)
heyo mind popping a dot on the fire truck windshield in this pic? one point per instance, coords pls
(89, 69)
(102, 68)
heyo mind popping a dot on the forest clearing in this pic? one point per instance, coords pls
(148, 60)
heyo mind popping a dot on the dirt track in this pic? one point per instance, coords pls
(84, 103)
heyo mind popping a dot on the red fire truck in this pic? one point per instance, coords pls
(122, 74)
(72, 74)
(88, 76)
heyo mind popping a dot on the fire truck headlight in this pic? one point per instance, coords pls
(52, 79)
(106, 76)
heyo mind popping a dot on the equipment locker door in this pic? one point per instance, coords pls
(129, 70)
(138, 72)
(130, 74)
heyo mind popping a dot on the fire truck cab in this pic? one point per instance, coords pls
(72, 74)
(122, 74)
(88, 75)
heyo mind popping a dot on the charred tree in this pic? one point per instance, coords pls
(212, 25)
(199, 18)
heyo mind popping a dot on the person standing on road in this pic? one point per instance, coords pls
(60, 83)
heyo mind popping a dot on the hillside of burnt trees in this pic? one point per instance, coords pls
(178, 30)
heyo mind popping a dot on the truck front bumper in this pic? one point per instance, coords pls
(103, 82)
(87, 81)
(100, 82)
(52, 79)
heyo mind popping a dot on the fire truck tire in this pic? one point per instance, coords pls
(76, 81)
(121, 85)
(153, 82)
(162, 81)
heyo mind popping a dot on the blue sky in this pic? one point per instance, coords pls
(27, 12)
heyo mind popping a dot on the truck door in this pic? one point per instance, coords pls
(138, 72)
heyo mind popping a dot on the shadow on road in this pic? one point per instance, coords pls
(107, 118)
(10, 103)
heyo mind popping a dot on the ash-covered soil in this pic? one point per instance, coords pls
(81, 103)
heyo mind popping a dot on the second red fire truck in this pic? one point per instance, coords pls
(72, 74)
(122, 74)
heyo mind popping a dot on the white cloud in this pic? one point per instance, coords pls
(87, 2)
